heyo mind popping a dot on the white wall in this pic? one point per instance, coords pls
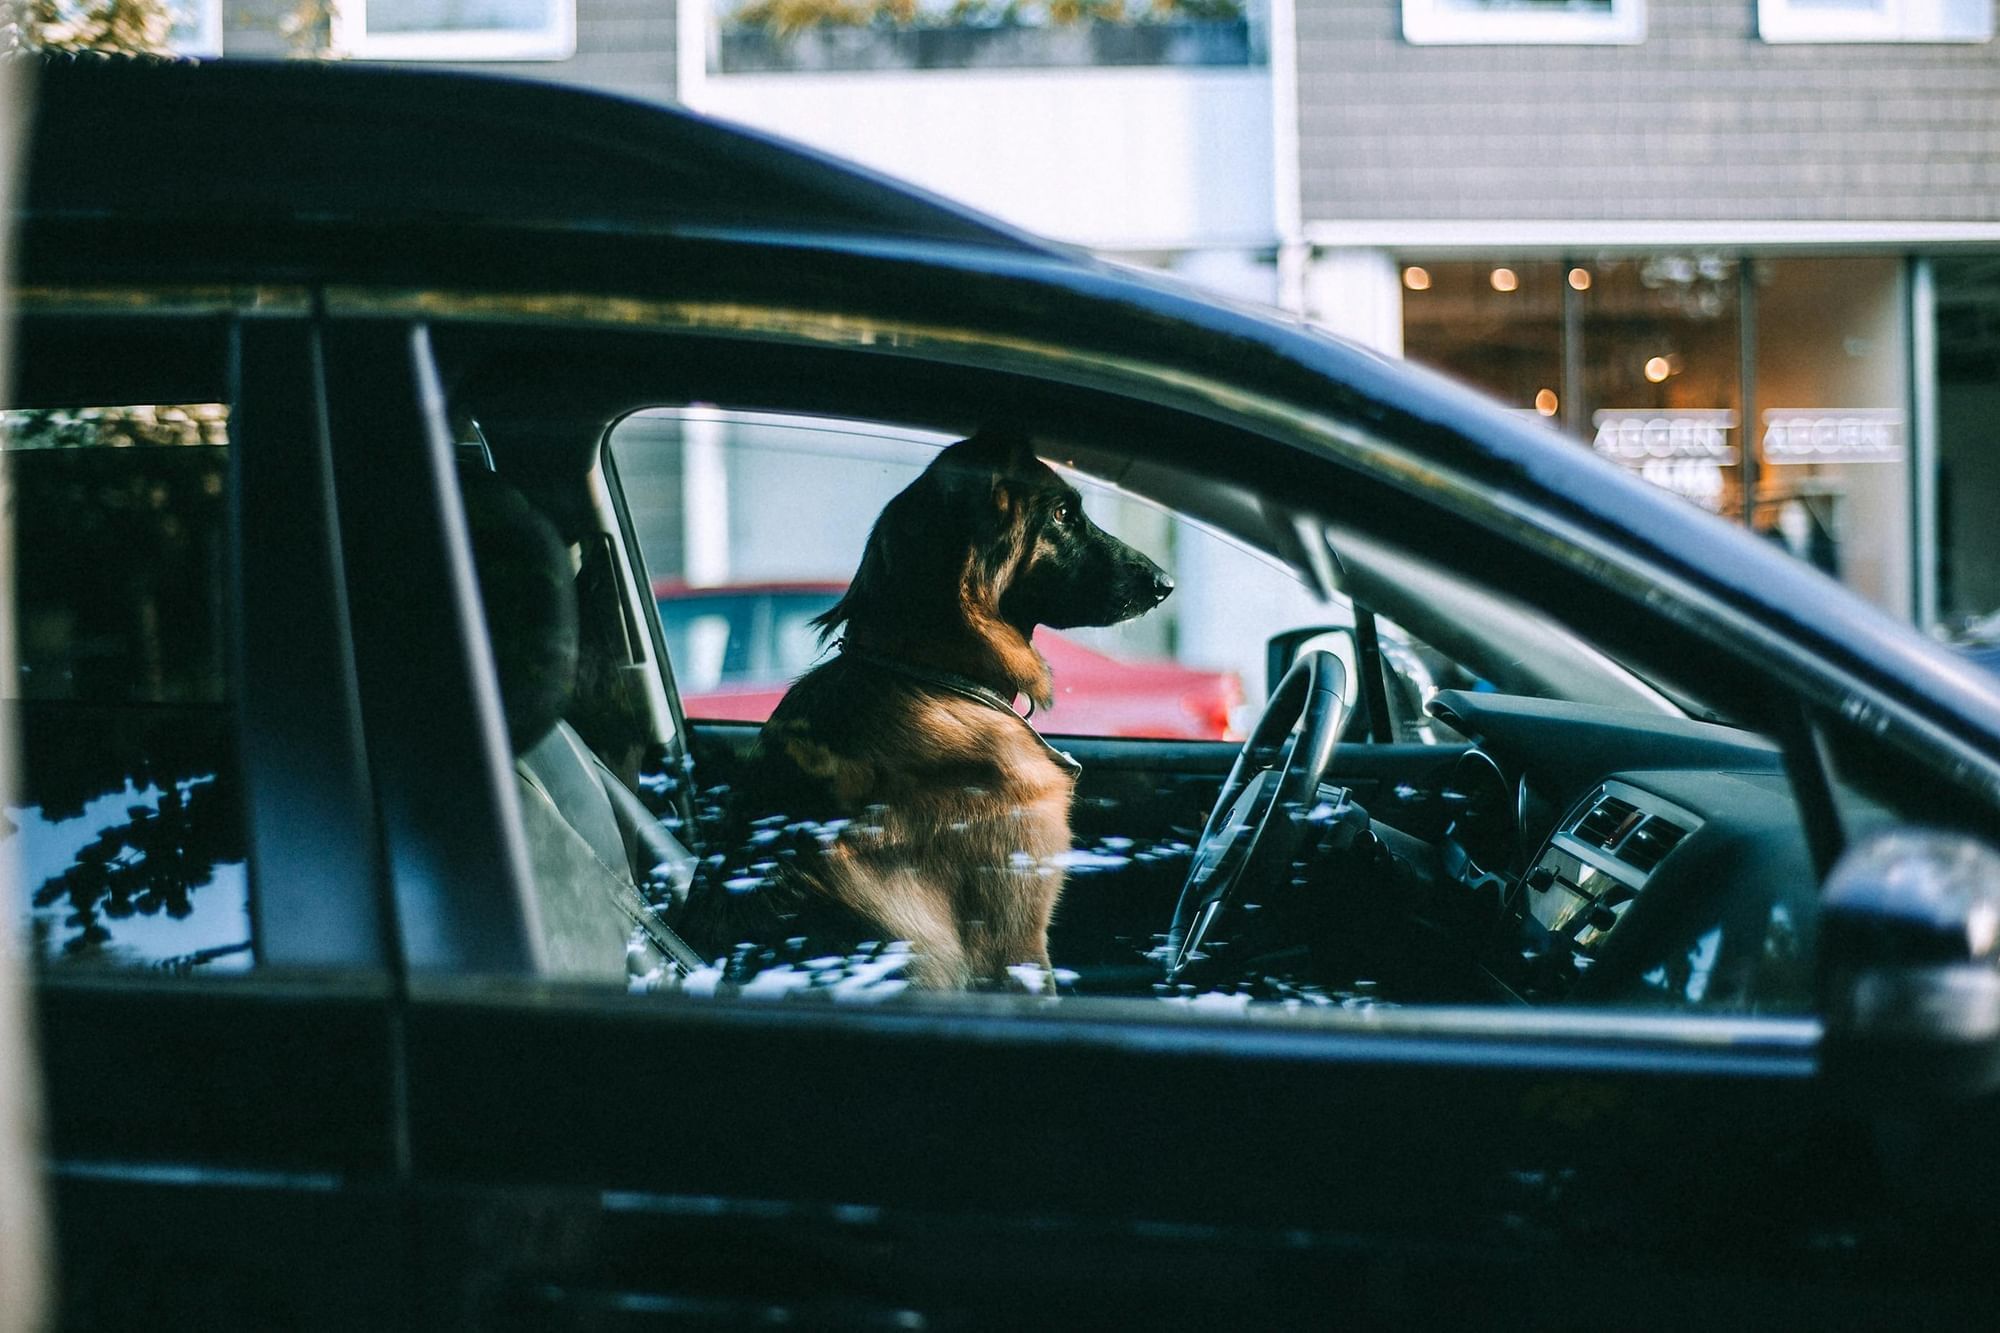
(1357, 294)
(1134, 158)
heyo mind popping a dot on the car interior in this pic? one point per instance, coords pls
(1605, 815)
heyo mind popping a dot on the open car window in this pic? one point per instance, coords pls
(1535, 822)
(746, 523)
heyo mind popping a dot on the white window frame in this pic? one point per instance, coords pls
(202, 36)
(1886, 21)
(1441, 23)
(556, 41)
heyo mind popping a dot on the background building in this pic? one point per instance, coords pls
(1751, 249)
(1733, 245)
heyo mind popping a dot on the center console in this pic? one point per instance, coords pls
(1589, 873)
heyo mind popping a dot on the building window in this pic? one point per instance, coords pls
(197, 28)
(827, 36)
(456, 29)
(1525, 22)
(1875, 20)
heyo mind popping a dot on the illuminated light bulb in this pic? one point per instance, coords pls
(1417, 279)
(1504, 280)
(1658, 368)
(1579, 278)
(1545, 402)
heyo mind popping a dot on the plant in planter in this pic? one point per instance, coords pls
(764, 35)
(785, 17)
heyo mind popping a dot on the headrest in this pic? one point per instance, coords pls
(525, 585)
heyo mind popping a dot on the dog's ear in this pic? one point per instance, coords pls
(909, 565)
(1001, 451)
(992, 472)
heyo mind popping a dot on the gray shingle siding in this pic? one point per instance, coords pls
(622, 46)
(1701, 121)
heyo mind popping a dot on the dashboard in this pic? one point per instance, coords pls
(1637, 858)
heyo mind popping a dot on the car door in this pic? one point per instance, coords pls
(193, 822)
(586, 1156)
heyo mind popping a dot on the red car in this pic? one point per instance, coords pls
(738, 647)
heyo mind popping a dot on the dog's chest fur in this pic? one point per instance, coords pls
(958, 818)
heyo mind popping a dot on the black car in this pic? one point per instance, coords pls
(1652, 985)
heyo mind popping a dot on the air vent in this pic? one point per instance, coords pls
(1650, 843)
(1607, 821)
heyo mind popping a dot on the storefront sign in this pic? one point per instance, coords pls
(1682, 450)
(1838, 435)
(1637, 436)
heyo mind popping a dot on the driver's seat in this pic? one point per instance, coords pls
(590, 841)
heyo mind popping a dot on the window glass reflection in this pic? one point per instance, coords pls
(128, 823)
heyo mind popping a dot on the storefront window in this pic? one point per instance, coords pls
(1643, 357)
(1659, 371)
(1497, 326)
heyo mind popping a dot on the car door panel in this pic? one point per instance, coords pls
(224, 1153)
(687, 1157)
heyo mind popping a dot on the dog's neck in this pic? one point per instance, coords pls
(994, 653)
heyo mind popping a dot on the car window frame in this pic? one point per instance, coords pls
(315, 900)
(742, 328)
(282, 1078)
(763, 600)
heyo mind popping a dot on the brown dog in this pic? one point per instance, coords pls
(895, 794)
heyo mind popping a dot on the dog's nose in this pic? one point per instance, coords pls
(1163, 583)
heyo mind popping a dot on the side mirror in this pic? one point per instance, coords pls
(1281, 650)
(1909, 970)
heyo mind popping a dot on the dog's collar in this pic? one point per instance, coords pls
(965, 687)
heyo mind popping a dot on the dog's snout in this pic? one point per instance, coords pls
(1163, 583)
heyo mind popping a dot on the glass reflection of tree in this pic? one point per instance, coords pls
(150, 864)
(119, 518)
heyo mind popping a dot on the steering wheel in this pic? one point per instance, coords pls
(1257, 825)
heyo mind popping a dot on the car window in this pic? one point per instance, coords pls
(752, 524)
(129, 818)
(759, 531)
(871, 813)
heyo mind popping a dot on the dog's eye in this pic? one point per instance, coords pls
(1066, 512)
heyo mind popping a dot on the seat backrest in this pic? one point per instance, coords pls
(584, 843)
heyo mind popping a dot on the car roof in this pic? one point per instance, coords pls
(340, 140)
